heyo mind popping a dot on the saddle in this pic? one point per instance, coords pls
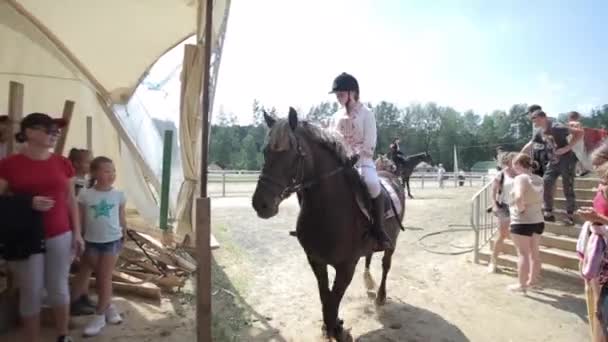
(390, 197)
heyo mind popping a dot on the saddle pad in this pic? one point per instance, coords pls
(390, 198)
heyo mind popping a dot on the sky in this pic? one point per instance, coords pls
(480, 55)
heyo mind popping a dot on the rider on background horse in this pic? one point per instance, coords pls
(356, 125)
(396, 153)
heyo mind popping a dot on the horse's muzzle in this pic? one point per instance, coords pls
(264, 206)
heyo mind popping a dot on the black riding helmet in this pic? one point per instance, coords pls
(345, 82)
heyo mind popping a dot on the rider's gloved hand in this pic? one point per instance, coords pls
(353, 160)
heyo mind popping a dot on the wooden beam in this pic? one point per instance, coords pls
(206, 99)
(203, 274)
(15, 113)
(203, 204)
(68, 110)
(90, 134)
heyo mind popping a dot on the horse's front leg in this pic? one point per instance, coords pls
(320, 271)
(407, 184)
(367, 276)
(386, 266)
(344, 275)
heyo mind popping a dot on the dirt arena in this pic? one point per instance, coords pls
(264, 289)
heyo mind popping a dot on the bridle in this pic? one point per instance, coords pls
(297, 183)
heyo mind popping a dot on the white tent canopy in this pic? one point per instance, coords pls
(95, 54)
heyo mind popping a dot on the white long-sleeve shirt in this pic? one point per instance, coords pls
(358, 131)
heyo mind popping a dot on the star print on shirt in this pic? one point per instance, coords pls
(102, 208)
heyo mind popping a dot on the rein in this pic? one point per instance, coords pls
(298, 183)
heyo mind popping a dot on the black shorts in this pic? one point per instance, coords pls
(528, 229)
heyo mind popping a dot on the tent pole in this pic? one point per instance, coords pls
(15, 113)
(203, 203)
(68, 110)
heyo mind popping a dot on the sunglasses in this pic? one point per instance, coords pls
(48, 130)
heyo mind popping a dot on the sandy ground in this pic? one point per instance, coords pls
(265, 291)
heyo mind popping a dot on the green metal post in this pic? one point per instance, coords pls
(166, 180)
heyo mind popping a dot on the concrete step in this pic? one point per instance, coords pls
(560, 203)
(560, 229)
(583, 194)
(584, 183)
(562, 242)
(571, 277)
(552, 256)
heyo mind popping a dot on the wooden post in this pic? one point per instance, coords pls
(68, 109)
(223, 183)
(203, 274)
(203, 204)
(15, 113)
(90, 134)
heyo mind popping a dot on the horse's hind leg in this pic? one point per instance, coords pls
(344, 275)
(386, 266)
(320, 271)
(367, 276)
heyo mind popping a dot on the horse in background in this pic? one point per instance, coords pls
(406, 165)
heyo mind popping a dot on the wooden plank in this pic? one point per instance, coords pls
(15, 113)
(125, 278)
(146, 290)
(203, 274)
(90, 134)
(145, 266)
(68, 110)
(176, 260)
(166, 282)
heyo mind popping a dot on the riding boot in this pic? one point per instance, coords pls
(384, 241)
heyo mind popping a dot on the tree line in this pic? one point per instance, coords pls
(420, 127)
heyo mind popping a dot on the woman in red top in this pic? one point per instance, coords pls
(49, 178)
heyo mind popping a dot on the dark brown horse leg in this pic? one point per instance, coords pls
(386, 266)
(407, 183)
(367, 276)
(320, 271)
(344, 275)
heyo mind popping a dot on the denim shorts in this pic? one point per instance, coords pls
(112, 247)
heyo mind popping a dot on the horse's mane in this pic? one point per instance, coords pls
(417, 155)
(282, 137)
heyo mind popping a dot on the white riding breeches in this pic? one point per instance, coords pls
(367, 170)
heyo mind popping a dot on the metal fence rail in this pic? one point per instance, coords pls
(242, 182)
(483, 223)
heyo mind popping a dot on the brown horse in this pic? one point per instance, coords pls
(331, 228)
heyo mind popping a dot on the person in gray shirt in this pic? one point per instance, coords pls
(561, 160)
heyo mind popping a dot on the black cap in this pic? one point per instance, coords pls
(41, 119)
(533, 108)
(344, 82)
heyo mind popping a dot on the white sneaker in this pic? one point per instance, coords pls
(492, 267)
(95, 325)
(112, 315)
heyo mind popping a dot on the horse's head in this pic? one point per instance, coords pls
(383, 163)
(284, 164)
(427, 158)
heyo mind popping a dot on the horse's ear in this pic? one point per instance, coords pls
(269, 119)
(293, 118)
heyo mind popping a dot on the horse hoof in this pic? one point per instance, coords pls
(369, 281)
(344, 336)
(381, 299)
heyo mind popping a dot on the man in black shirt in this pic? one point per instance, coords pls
(562, 161)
